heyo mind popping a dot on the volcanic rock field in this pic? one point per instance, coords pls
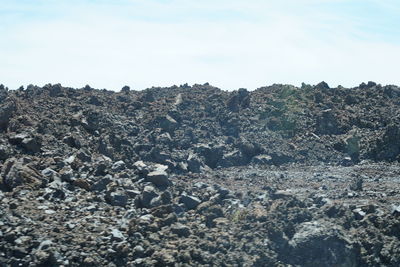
(198, 176)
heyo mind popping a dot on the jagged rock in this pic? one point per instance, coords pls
(93, 100)
(190, 202)
(168, 123)
(17, 172)
(117, 235)
(282, 194)
(26, 141)
(280, 158)
(322, 85)
(357, 184)
(51, 175)
(101, 184)
(180, 230)
(249, 149)
(234, 158)
(3, 93)
(239, 99)
(55, 90)
(387, 147)
(83, 156)
(178, 100)
(194, 163)
(164, 138)
(318, 243)
(117, 198)
(125, 89)
(158, 177)
(359, 214)
(211, 213)
(7, 110)
(262, 160)
(147, 196)
(211, 154)
(141, 168)
(118, 166)
(5, 152)
(72, 141)
(82, 183)
(395, 210)
(327, 123)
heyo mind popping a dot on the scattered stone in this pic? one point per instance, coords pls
(359, 214)
(117, 235)
(16, 173)
(5, 153)
(26, 141)
(147, 196)
(357, 184)
(168, 123)
(117, 198)
(82, 183)
(49, 212)
(7, 110)
(101, 184)
(118, 166)
(395, 210)
(190, 202)
(83, 156)
(262, 160)
(282, 194)
(194, 164)
(158, 177)
(180, 230)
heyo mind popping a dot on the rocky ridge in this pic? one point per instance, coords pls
(193, 175)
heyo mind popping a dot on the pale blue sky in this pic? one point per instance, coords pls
(229, 44)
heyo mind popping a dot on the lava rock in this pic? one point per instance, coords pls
(180, 230)
(168, 123)
(25, 141)
(190, 202)
(16, 172)
(117, 198)
(118, 166)
(318, 243)
(148, 194)
(5, 152)
(7, 110)
(158, 177)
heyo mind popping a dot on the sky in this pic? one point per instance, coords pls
(230, 44)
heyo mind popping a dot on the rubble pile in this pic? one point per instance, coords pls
(198, 176)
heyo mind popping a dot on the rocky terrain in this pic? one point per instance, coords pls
(197, 176)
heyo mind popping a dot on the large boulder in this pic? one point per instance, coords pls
(194, 163)
(6, 112)
(168, 123)
(5, 152)
(327, 123)
(26, 141)
(388, 146)
(320, 243)
(190, 202)
(239, 99)
(210, 153)
(158, 177)
(17, 172)
(3, 93)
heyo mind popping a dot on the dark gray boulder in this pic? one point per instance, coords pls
(320, 243)
(158, 177)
